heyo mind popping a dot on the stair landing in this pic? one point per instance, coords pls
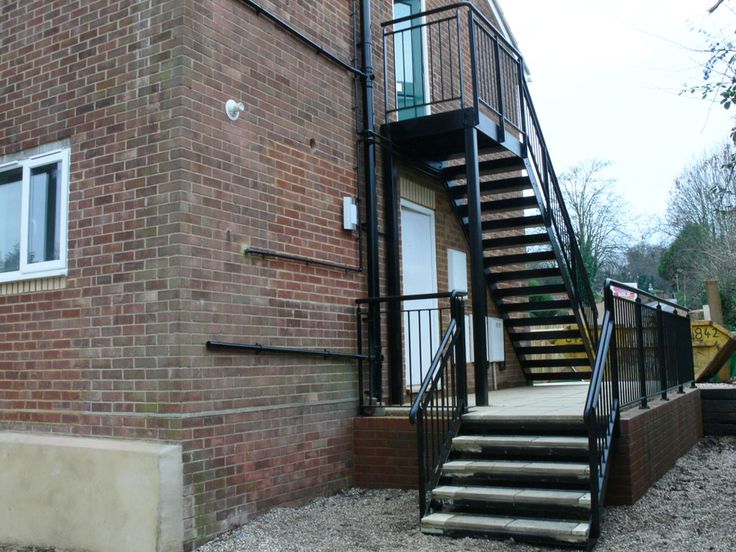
(560, 402)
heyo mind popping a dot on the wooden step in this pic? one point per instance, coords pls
(556, 362)
(514, 496)
(559, 376)
(568, 532)
(547, 289)
(532, 221)
(516, 468)
(530, 306)
(516, 241)
(502, 205)
(545, 335)
(550, 349)
(476, 443)
(486, 168)
(459, 191)
(520, 275)
(519, 258)
(541, 321)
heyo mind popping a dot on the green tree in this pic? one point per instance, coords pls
(680, 262)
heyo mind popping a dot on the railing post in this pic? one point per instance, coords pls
(461, 379)
(594, 480)
(640, 355)
(688, 344)
(386, 80)
(473, 63)
(421, 468)
(612, 346)
(522, 109)
(661, 352)
(361, 397)
(499, 86)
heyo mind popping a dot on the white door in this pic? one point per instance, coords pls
(419, 271)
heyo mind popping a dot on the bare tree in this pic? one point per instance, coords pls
(597, 216)
(702, 213)
(705, 194)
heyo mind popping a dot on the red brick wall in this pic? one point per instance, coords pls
(650, 443)
(165, 193)
(94, 358)
(384, 453)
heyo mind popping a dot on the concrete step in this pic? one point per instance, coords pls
(513, 496)
(531, 443)
(517, 468)
(568, 532)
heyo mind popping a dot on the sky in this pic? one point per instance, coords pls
(606, 80)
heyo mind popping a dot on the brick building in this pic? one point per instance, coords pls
(140, 221)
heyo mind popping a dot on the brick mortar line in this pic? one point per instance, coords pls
(187, 415)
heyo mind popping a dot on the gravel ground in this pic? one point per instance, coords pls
(689, 509)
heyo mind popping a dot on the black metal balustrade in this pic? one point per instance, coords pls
(422, 329)
(644, 350)
(441, 401)
(454, 58)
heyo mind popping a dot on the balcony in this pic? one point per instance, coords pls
(450, 67)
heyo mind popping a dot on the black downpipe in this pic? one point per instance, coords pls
(393, 277)
(371, 198)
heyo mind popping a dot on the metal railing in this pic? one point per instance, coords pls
(440, 403)
(644, 350)
(453, 57)
(422, 322)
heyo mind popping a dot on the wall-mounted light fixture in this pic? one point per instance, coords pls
(234, 109)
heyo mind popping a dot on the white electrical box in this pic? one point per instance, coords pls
(349, 214)
(457, 270)
(494, 339)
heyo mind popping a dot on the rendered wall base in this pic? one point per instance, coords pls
(650, 443)
(90, 494)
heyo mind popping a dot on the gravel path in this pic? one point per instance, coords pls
(691, 509)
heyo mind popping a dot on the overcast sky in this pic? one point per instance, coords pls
(606, 80)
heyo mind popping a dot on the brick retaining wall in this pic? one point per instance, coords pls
(384, 453)
(650, 443)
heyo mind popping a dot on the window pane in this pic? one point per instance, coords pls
(44, 216)
(10, 196)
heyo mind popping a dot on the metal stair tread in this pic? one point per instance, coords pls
(460, 468)
(476, 442)
(566, 531)
(514, 495)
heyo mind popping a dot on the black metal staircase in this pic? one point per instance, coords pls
(524, 274)
(457, 101)
(478, 126)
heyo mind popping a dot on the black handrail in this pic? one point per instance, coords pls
(642, 351)
(258, 348)
(440, 403)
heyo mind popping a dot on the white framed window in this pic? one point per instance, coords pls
(34, 207)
